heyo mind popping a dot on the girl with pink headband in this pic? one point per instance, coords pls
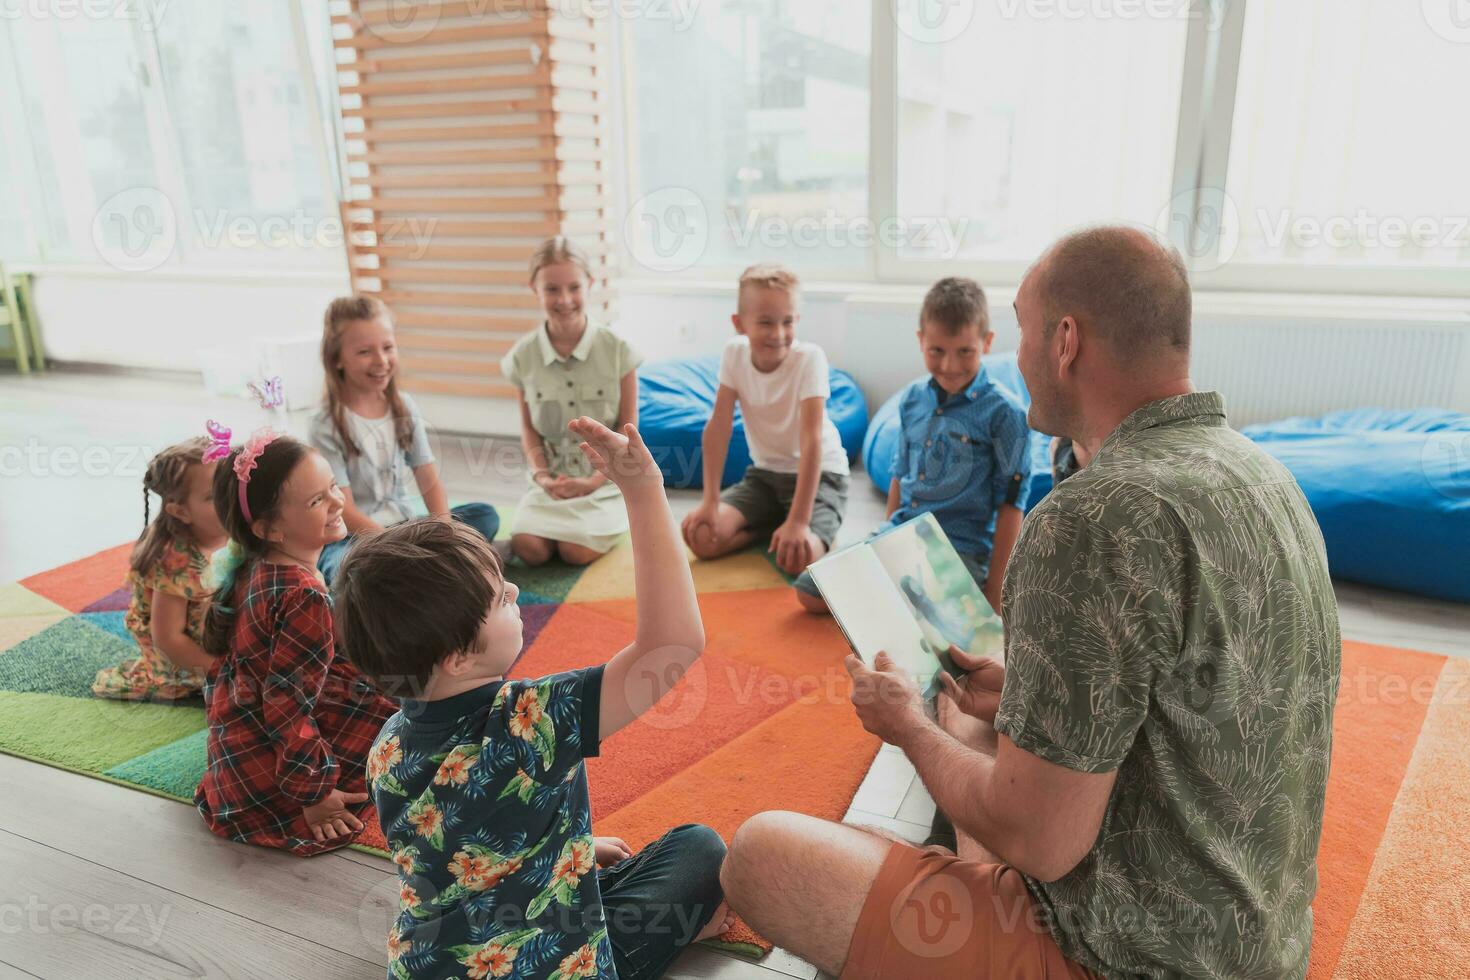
(290, 722)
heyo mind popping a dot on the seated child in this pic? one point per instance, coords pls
(479, 780)
(166, 611)
(290, 722)
(1067, 459)
(796, 488)
(962, 452)
(372, 434)
(568, 366)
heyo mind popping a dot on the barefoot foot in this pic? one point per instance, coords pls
(719, 923)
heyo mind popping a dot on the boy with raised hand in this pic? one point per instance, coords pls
(962, 447)
(796, 488)
(479, 780)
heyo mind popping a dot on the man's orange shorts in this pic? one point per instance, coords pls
(931, 915)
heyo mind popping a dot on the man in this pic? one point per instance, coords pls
(1139, 790)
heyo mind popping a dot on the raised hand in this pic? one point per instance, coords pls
(977, 693)
(622, 457)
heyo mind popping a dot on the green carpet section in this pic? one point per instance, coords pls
(90, 734)
(173, 770)
(62, 659)
(548, 583)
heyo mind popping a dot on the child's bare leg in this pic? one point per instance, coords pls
(818, 549)
(729, 533)
(532, 549)
(576, 554)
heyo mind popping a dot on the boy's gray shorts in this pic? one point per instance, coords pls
(763, 498)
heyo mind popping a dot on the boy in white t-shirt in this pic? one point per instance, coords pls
(796, 489)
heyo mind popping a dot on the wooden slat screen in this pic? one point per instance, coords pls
(474, 129)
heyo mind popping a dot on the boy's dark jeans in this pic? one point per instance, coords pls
(657, 901)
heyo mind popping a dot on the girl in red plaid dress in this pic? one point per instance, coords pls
(290, 723)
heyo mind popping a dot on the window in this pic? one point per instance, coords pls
(1309, 145)
(1350, 142)
(1027, 122)
(165, 136)
(748, 137)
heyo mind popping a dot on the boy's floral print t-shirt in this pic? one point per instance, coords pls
(483, 800)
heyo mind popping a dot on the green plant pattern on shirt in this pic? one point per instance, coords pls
(1169, 615)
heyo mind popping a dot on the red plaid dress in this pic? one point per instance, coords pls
(288, 720)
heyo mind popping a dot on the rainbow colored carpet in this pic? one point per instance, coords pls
(764, 723)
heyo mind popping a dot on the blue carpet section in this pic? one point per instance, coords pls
(112, 622)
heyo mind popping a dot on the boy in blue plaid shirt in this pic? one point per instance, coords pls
(961, 453)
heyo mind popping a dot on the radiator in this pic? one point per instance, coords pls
(1279, 368)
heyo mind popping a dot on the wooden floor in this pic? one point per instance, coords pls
(101, 881)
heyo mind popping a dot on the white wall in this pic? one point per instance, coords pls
(1271, 356)
(232, 327)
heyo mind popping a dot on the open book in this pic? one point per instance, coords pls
(906, 592)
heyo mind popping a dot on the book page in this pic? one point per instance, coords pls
(941, 595)
(862, 598)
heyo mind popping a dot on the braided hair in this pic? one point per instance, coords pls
(168, 477)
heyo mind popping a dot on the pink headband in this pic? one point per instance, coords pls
(219, 448)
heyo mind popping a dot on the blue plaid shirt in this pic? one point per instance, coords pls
(959, 457)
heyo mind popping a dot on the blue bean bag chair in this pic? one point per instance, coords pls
(883, 433)
(1391, 491)
(676, 397)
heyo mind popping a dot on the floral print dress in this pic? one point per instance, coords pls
(151, 675)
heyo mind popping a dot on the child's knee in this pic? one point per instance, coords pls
(531, 549)
(812, 603)
(707, 545)
(702, 852)
(576, 554)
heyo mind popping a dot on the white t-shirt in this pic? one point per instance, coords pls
(771, 405)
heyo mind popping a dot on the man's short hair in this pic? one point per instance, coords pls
(1128, 284)
(768, 275)
(408, 596)
(954, 303)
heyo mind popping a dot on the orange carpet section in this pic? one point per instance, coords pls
(800, 759)
(763, 722)
(1380, 710)
(82, 583)
(1414, 917)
